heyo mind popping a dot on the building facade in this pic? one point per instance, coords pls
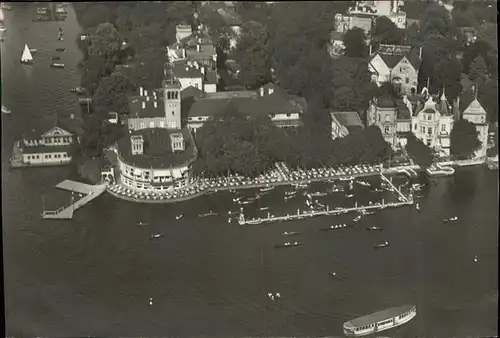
(476, 114)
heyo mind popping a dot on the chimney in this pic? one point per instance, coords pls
(261, 91)
(137, 144)
(141, 91)
(198, 48)
(420, 53)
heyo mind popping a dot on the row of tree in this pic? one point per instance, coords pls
(251, 146)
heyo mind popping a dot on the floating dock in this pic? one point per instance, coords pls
(66, 212)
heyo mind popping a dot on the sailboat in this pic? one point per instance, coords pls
(26, 57)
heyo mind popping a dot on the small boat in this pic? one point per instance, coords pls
(266, 189)
(364, 183)
(288, 197)
(357, 218)
(57, 65)
(156, 236)
(378, 190)
(374, 228)
(60, 49)
(379, 321)
(26, 58)
(55, 58)
(248, 201)
(290, 193)
(293, 233)
(254, 221)
(77, 90)
(334, 275)
(300, 186)
(382, 245)
(229, 220)
(451, 219)
(178, 217)
(142, 224)
(287, 245)
(417, 206)
(364, 212)
(264, 208)
(237, 199)
(346, 178)
(318, 194)
(349, 195)
(335, 227)
(3, 29)
(6, 110)
(210, 213)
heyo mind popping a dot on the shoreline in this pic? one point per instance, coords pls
(205, 190)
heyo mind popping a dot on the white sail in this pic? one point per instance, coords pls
(26, 54)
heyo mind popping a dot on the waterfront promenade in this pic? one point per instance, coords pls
(276, 177)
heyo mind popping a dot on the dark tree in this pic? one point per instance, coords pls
(251, 55)
(478, 48)
(436, 21)
(355, 43)
(418, 151)
(464, 139)
(478, 70)
(385, 31)
(488, 96)
(111, 95)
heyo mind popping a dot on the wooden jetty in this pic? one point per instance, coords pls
(66, 212)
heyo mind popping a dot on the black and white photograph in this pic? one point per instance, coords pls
(250, 168)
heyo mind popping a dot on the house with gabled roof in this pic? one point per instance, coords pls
(398, 66)
(476, 114)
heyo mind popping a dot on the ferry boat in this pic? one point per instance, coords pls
(178, 217)
(287, 245)
(57, 65)
(439, 171)
(380, 321)
(156, 236)
(451, 219)
(382, 245)
(293, 233)
(210, 213)
(374, 228)
(6, 110)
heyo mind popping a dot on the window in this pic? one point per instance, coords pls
(387, 118)
(429, 131)
(428, 142)
(407, 80)
(415, 127)
(37, 157)
(288, 114)
(443, 127)
(151, 124)
(387, 130)
(422, 129)
(200, 118)
(142, 125)
(429, 117)
(173, 113)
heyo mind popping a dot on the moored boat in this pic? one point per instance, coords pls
(210, 213)
(374, 228)
(380, 321)
(266, 189)
(293, 233)
(178, 217)
(156, 236)
(357, 218)
(346, 178)
(264, 208)
(451, 219)
(335, 227)
(77, 90)
(290, 193)
(318, 194)
(382, 245)
(254, 221)
(57, 65)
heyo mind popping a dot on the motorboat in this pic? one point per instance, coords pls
(451, 219)
(78, 90)
(207, 214)
(248, 201)
(60, 49)
(6, 110)
(374, 228)
(287, 245)
(254, 221)
(156, 236)
(264, 208)
(349, 195)
(335, 227)
(382, 245)
(293, 233)
(318, 194)
(178, 217)
(357, 218)
(379, 321)
(57, 65)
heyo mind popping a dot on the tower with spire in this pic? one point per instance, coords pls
(476, 114)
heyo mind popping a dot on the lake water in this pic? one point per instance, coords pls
(94, 275)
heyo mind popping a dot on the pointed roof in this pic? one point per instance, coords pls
(475, 108)
(443, 105)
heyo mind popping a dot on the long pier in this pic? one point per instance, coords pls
(327, 212)
(91, 192)
(396, 190)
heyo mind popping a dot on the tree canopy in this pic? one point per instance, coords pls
(386, 32)
(464, 139)
(355, 44)
(418, 151)
(478, 70)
